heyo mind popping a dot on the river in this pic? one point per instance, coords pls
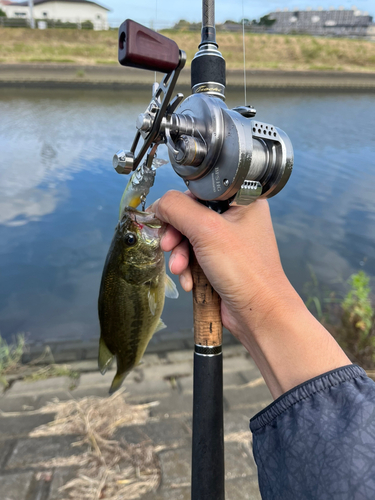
(59, 198)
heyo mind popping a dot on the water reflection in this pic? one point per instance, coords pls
(59, 198)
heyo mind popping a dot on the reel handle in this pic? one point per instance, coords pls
(140, 47)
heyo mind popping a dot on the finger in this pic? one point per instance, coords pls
(179, 260)
(187, 215)
(186, 280)
(170, 239)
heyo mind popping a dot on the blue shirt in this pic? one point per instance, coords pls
(317, 441)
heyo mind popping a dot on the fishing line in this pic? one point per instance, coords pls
(244, 51)
(156, 20)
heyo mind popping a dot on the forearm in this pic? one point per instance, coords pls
(288, 344)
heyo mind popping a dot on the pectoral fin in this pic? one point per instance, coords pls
(152, 299)
(105, 357)
(170, 288)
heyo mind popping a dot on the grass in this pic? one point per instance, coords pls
(12, 368)
(10, 356)
(263, 51)
(53, 370)
(350, 319)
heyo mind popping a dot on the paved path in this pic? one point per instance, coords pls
(164, 377)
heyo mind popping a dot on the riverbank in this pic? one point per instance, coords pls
(263, 51)
(117, 77)
(53, 432)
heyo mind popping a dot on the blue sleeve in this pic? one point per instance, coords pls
(317, 441)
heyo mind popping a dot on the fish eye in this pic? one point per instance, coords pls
(130, 239)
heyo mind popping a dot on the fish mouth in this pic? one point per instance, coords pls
(149, 225)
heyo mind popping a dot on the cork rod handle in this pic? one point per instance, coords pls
(208, 329)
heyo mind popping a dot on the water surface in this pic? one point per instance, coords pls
(59, 198)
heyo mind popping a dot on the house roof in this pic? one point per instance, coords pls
(38, 2)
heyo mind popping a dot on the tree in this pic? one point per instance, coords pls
(2, 13)
(266, 21)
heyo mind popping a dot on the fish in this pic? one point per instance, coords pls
(132, 290)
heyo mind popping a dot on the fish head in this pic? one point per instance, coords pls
(139, 235)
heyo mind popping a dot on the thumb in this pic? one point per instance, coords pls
(186, 214)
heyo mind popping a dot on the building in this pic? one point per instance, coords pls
(340, 22)
(65, 11)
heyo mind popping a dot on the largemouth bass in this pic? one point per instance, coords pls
(132, 290)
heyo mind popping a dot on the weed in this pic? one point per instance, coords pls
(357, 332)
(318, 298)
(53, 370)
(10, 356)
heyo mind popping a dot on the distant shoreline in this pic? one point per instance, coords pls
(119, 78)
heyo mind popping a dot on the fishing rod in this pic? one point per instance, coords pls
(226, 157)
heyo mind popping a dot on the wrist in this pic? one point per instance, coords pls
(288, 344)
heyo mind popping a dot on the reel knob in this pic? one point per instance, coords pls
(123, 162)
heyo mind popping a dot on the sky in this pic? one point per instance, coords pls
(164, 13)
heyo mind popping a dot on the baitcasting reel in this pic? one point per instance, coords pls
(223, 155)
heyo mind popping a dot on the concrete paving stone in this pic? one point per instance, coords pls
(185, 384)
(234, 350)
(238, 463)
(30, 451)
(95, 379)
(181, 356)
(178, 335)
(247, 395)
(132, 434)
(147, 388)
(166, 346)
(67, 356)
(167, 431)
(87, 365)
(101, 391)
(61, 477)
(239, 363)
(244, 488)
(168, 370)
(176, 466)
(236, 421)
(13, 426)
(252, 375)
(17, 403)
(173, 405)
(15, 486)
(52, 384)
(90, 353)
(151, 360)
(6, 448)
(168, 493)
(52, 396)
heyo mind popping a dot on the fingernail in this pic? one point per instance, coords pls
(171, 260)
(183, 281)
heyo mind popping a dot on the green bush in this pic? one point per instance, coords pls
(2, 13)
(357, 331)
(87, 25)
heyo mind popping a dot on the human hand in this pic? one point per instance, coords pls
(238, 253)
(236, 250)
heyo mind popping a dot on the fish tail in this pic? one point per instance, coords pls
(117, 381)
(105, 356)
